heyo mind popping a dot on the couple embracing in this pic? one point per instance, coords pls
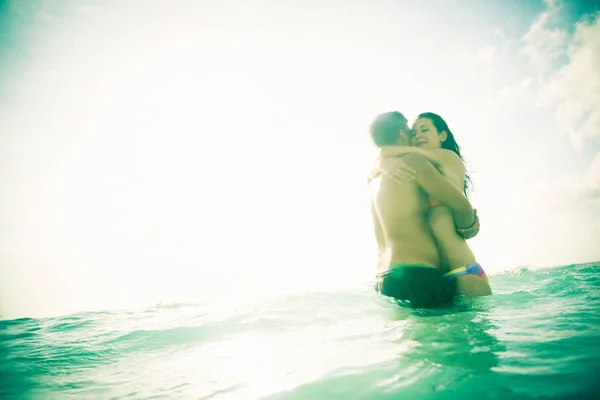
(421, 215)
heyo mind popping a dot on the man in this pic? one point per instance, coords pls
(408, 256)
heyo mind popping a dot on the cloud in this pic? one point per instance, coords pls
(592, 184)
(543, 44)
(564, 220)
(569, 79)
(522, 92)
(566, 78)
(575, 91)
(575, 88)
(594, 173)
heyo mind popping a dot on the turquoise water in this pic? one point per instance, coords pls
(537, 337)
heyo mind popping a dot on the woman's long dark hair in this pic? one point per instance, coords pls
(449, 143)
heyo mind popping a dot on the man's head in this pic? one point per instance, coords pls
(390, 129)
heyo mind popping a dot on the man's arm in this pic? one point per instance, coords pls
(402, 173)
(375, 171)
(440, 189)
(435, 156)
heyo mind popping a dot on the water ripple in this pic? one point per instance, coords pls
(535, 338)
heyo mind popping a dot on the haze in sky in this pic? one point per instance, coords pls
(192, 150)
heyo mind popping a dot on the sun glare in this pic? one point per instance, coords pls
(173, 158)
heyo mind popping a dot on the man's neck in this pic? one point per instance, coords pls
(402, 142)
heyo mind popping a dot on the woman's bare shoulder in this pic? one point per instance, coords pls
(449, 158)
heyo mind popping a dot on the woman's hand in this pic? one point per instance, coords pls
(469, 233)
(397, 170)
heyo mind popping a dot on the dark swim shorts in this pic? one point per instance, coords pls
(420, 285)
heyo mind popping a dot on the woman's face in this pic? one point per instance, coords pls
(425, 135)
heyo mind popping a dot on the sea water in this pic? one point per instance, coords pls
(537, 337)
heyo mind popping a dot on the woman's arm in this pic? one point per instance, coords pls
(442, 190)
(435, 157)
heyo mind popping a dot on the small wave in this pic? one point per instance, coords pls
(64, 326)
(519, 271)
(176, 305)
(176, 336)
(529, 270)
(19, 321)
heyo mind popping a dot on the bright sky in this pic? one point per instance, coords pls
(188, 150)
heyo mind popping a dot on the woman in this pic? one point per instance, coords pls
(433, 139)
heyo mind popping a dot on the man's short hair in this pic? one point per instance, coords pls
(385, 129)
